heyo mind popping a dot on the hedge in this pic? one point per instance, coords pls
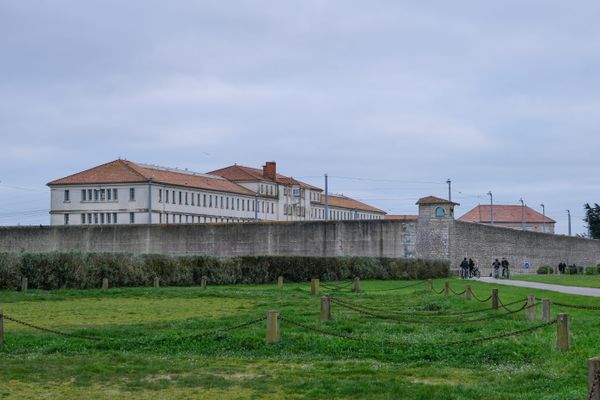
(86, 270)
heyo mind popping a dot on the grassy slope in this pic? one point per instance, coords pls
(239, 364)
(592, 281)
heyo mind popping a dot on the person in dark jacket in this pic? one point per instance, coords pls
(496, 266)
(471, 267)
(464, 268)
(505, 264)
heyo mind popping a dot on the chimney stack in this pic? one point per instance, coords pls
(270, 170)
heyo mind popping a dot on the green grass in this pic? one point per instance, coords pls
(592, 281)
(152, 348)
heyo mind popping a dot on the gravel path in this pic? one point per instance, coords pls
(582, 291)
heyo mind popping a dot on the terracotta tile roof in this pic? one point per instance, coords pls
(123, 171)
(351, 204)
(435, 200)
(504, 214)
(401, 217)
(239, 173)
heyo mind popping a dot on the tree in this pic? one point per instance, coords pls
(592, 218)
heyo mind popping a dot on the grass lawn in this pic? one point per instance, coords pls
(152, 347)
(592, 281)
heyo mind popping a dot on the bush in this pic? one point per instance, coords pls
(598, 269)
(86, 270)
(591, 270)
(572, 270)
(545, 269)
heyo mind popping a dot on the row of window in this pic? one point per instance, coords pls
(213, 201)
(317, 213)
(95, 195)
(292, 209)
(167, 218)
(99, 218)
(267, 189)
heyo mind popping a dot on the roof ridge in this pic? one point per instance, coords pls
(126, 163)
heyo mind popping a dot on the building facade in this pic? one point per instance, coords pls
(510, 216)
(124, 192)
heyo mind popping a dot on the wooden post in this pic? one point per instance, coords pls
(203, 282)
(495, 299)
(24, 284)
(156, 281)
(1, 327)
(563, 341)
(531, 309)
(314, 286)
(546, 310)
(430, 284)
(446, 288)
(594, 377)
(104, 283)
(469, 292)
(280, 282)
(273, 334)
(325, 308)
(356, 285)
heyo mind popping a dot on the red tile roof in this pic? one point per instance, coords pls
(434, 200)
(351, 204)
(123, 171)
(401, 217)
(239, 173)
(504, 214)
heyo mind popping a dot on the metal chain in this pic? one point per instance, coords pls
(397, 288)
(594, 386)
(49, 330)
(480, 300)
(511, 303)
(230, 328)
(457, 293)
(317, 330)
(412, 321)
(436, 292)
(576, 306)
(332, 286)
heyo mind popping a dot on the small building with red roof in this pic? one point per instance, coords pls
(510, 216)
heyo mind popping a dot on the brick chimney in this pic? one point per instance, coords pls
(270, 170)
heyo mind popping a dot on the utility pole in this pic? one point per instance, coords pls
(522, 213)
(544, 214)
(569, 216)
(491, 207)
(326, 199)
(449, 182)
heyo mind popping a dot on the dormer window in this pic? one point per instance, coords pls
(440, 212)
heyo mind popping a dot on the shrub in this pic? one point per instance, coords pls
(545, 269)
(86, 270)
(572, 270)
(591, 270)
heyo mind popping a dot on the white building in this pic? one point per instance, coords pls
(124, 192)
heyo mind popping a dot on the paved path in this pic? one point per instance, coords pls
(582, 291)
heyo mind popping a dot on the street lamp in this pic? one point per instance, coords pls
(569, 216)
(449, 182)
(522, 213)
(544, 214)
(491, 207)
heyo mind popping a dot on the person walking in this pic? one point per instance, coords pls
(505, 272)
(464, 268)
(496, 266)
(471, 267)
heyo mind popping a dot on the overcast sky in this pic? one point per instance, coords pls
(397, 95)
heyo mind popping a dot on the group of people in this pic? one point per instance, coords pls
(469, 270)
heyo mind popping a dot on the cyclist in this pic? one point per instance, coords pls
(464, 267)
(505, 272)
(496, 266)
(471, 267)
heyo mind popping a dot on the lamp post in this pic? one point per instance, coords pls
(544, 214)
(569, 216)
(326, 198)
(522, 213)
(449, 182)
(491, 207)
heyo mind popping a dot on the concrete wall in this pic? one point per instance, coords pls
(335, 238)
(484, 243)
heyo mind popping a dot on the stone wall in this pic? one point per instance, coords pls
(484, 243)
(329, 239)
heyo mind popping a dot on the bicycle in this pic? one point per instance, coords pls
(475, 273)
(505, 273)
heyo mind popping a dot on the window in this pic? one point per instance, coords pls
(186, 198)
(83, 193)
(238, 204)
(174, 218)
(131, 218)
(192, 198)
(108, 217)
(96, 195)
(221, 202)
(89, 218)
(102, 194)
(203, 200)
(66, 198)
(108, 194)
(243, 205)
(227, 203)
(82, 219)
(89, 196)
(101, 218)
(131, 194)
(115, 194)
(440, 212)
(180, 197)
(160, 195)
(187, 219)
(166, 196)
(198, 203)
(179, 218)
(114, 217)
(210, 201)
(95, 218)
(66, 219)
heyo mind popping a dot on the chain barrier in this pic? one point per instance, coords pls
(332, 286)
(229, 329)
(397, 288)
(576, 306)
(436, 292)
(505, 306)
(481, 300)
(494, 337)
(594, 386)
(321, 331)
(457, 293)
(412, 321)
(49, 330)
